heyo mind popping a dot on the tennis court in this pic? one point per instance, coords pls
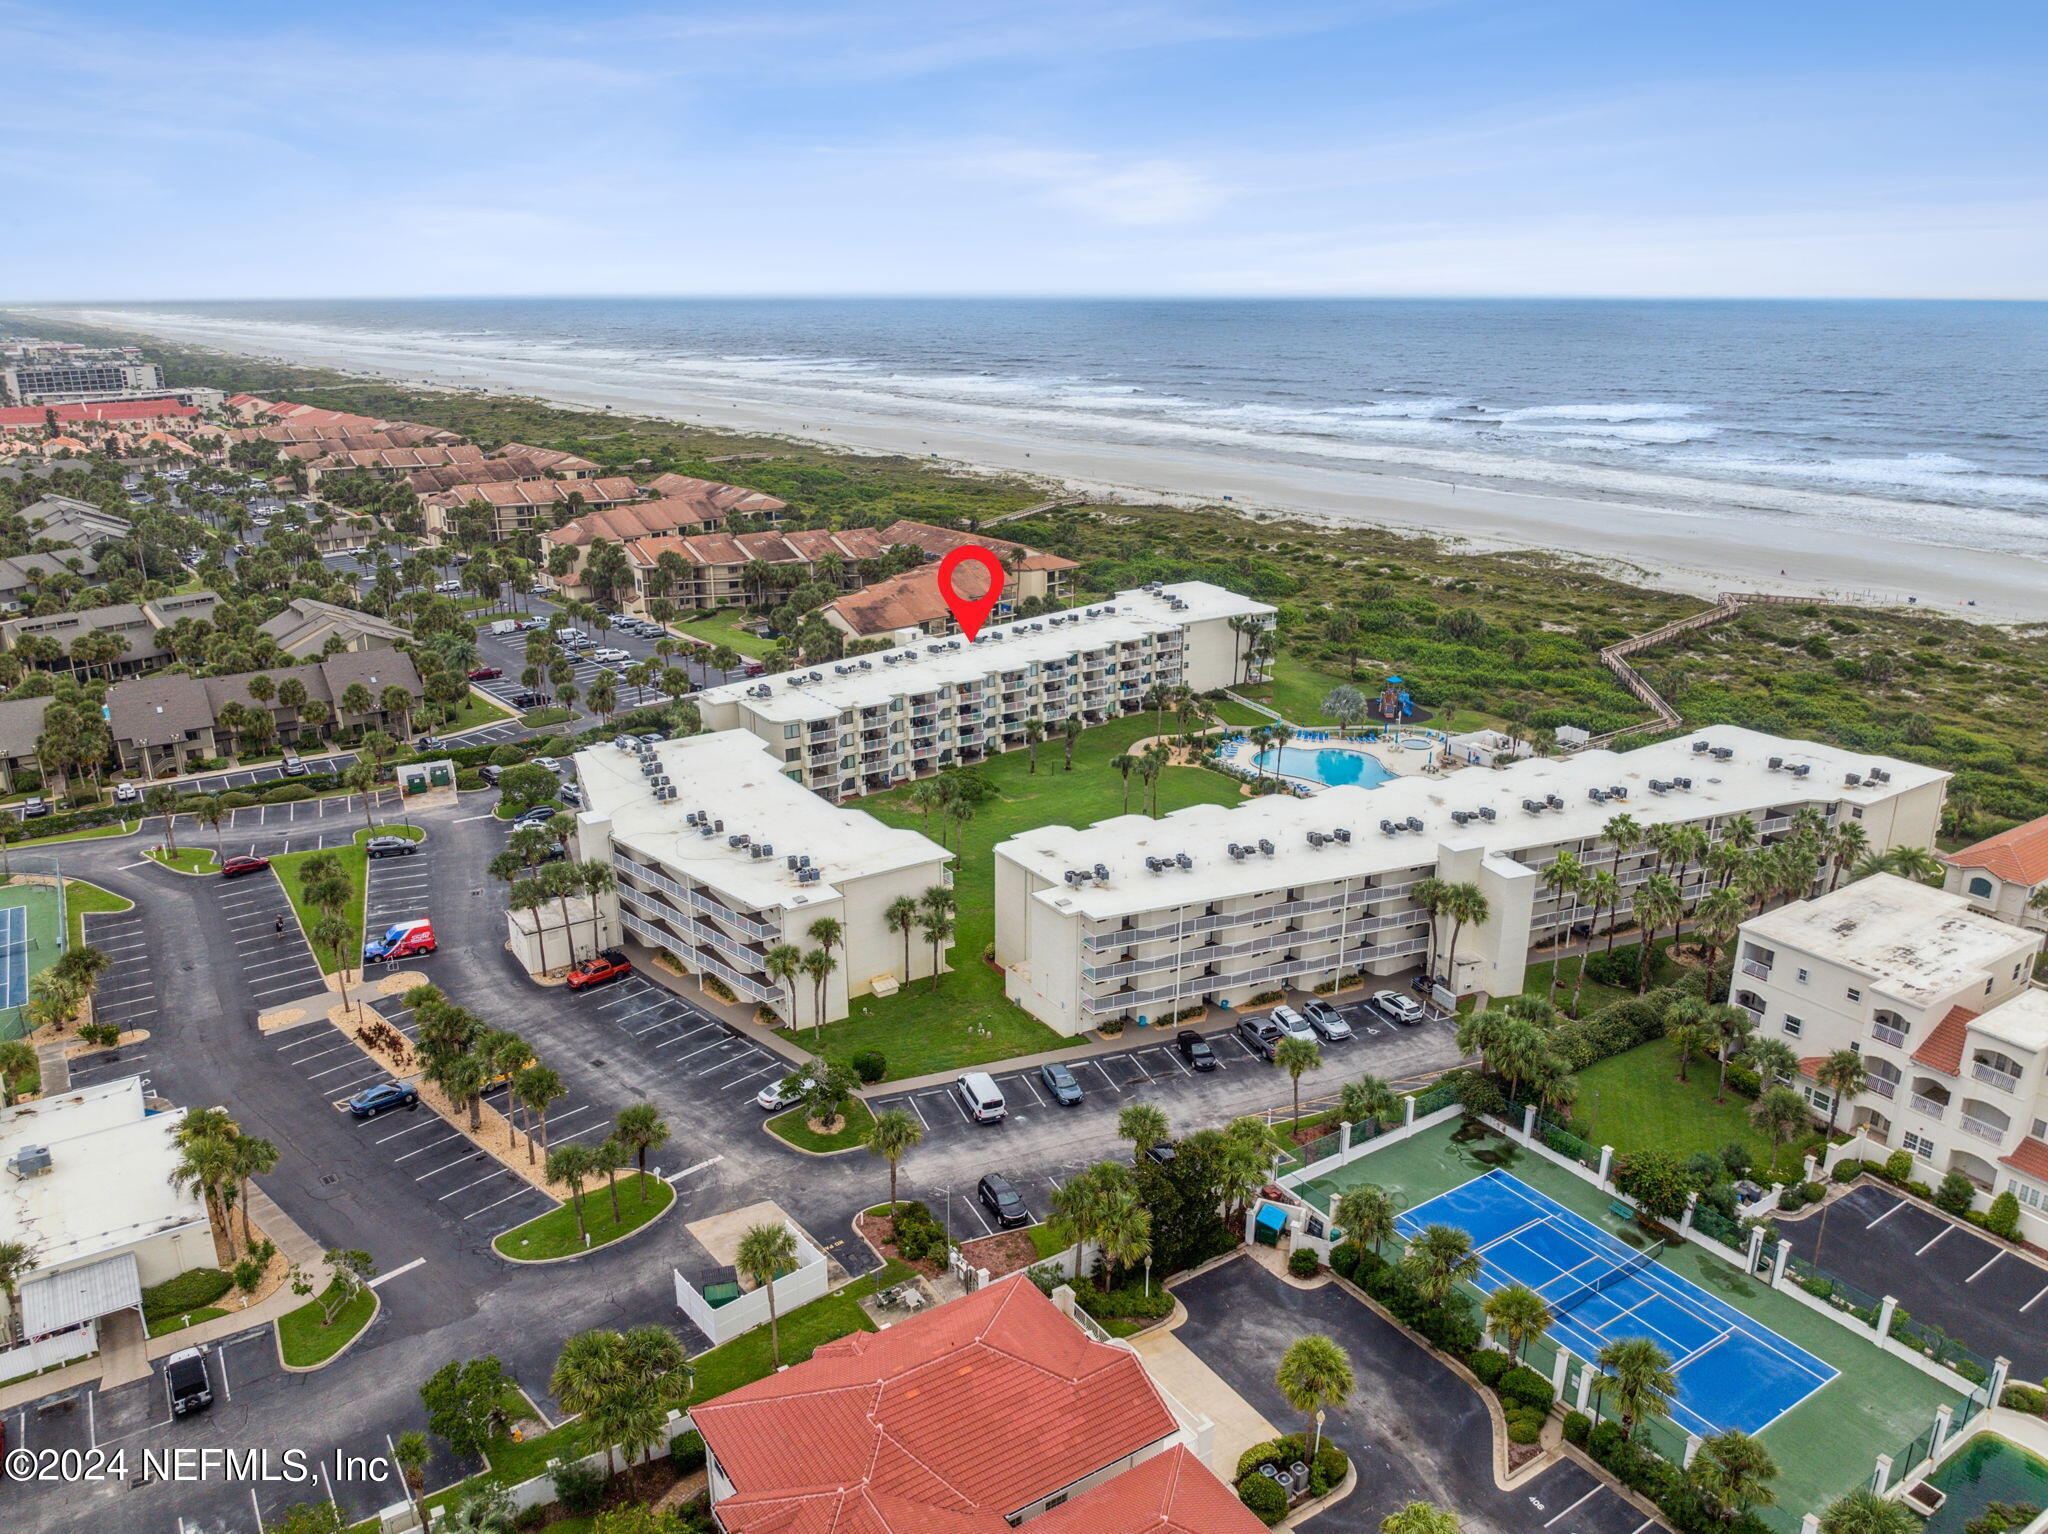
(31, 939)
(1732, 1371)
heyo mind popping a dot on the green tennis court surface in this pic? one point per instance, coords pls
(31, 940)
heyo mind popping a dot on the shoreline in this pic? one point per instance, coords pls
(1697, 549)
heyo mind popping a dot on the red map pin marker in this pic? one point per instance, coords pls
(969, 611)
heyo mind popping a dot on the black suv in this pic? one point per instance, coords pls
(1261, 1035)
(1195, 1050)
(1003, 1202)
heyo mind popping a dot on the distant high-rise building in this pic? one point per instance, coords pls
(74, 380)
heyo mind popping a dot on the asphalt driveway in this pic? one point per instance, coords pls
(1415, 1431)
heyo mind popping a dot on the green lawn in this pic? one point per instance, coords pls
(117, 828)
(538, 718)
(306, 1342)
(1594, 996)
(179, 1322)
(289, 868)
(724, 628)
(747, 1358)
(555, 1233)
(80, 899)
(476, 709)
(967, 1020)
(187, 860)
(1045, 1242)
(853, 1129)
(1635, 1101)
(1297, 691)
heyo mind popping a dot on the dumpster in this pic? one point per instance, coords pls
(415, 782)
(1271, 1222)
(439, 773)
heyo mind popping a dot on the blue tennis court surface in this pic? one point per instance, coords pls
(13, 955)
(1732, 1372)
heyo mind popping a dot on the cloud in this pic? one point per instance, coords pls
(1138, 193)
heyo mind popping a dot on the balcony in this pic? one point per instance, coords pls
(1928, 1106)
(1880, 1086)
(697, 898)
(2005, 1081)
(1896, 1037)
(1981, 1129)
(1756, 971)
(655, 937)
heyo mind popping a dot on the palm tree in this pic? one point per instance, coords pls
(253, 1157)
(536, 1087)
(784, 962)
(1150, 765)
(1368, 1100)
(1842, 1074)
(610, 1157)
(1123, 1228)
(208, 1165)
(1034, 732)
(1732, 1473)
(210, 812)
(1297, 1056)
(162, 800)
(1638, 1374)
(1518, 1315)
(17, 1260)
(1463, 903)
(901, 914)
(1863, 1511)
(767, 1251)
(1421, 1518)
(411, 1453)
(1144, 1125)
(1070, 731)
(1602, 893)
(1780, 1113)
(1124, 764)
(16, 1061)
(1429, 896)
(1716, 918)
(1366, 1216)
(1315, 1374)
(1773, 1060)
(1437, 1258)
(1690, 1040)
(938, 931)
(818, 965)
(1660, 903)
(1622, 834)
(572, 1165)
(641, 1129)
(597, 880)
(1076, 1204)
(1566, 875)
(892, 1136)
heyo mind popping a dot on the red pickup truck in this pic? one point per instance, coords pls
(608, 965)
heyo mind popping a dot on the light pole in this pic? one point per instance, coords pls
(1316, 1445)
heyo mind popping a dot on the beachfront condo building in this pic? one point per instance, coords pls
(1140, 919)
(70, 381)
(854, 727)
(720, 858)
(1939, 1001)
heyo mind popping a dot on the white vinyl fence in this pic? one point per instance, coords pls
(722, 1323)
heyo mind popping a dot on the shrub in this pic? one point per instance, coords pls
(1284, 1450)
(1920, 1190)
(686, 1452)
(1130, 1303)
(1344, 1259)
(1482, 1094)
(1328, 1468)
(579, 1488)
(1263, 1496)
(1614, 968)
(236, 799)
(2003, 1217)
(1898, 1166)
(918, 1236)
(1792, 1200)
(1955, 1193)
(1523, 1386)
(870, 1065)
(194, 1289)
(1743, 1082)
(2020, 1396)
(1848, 1169)
(1577, 1428)
(288, 793)
(1303, 1262)
(1490, 1366)
(469, 778)
(1524, 1425)
(1814, 1191)
(1605, 1441)
(1266, 998)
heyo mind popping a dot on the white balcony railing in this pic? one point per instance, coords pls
(2005, 1081)
(1981, 1129)
(1929, 1106)
(1880, 1086)
(1896, 1037)
(1755, 970)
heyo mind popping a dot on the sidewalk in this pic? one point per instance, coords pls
(109, 1369)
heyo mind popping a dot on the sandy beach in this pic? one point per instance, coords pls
(1807, 545)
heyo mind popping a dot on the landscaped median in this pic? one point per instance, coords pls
(289, 868)
(639, 1199)
(307, 1338)
(796, 1129)
(186, 860)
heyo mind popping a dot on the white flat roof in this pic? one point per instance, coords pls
(1915, 943)
(106, 1188)
(735, 777)
(2021, 1022)
(874, 678)
(1743, 784)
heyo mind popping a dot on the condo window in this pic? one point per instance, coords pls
(1854, 994)
(1919, 1145)
(1794, 1026)
(1980, 887)
(1802, 976)
(2028, 1194)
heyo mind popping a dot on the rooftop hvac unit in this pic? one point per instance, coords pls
(1486, 812)
(1617, 792)
(1155, 864)
(1414, 824)
(1238, 852)
(1108, 610)
(792, 863)
(1459, 817)
(1102, 873)
(1073, 876)
(1724, 753)
(1184, 860)
(767, 849)
(1853, 779)
(867, 665)
(1553, 801)
(1804, 769)
(1597, 795)
(841, 670)
(1342, 834)
(738, 839)
(1659, 786)
(1774, 764)
(1388, 828)
(30, 1161)
(1701, 747)
(1265, 846)
(816, 676)
(1533, 806)
(1682, 783)
(1880, 775)
(693, 817)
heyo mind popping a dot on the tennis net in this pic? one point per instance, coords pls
(1607, 1280)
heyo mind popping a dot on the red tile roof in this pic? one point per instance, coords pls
(942, 1424)
(538, 492)
(2019, 856)
(909, 600)
(1943, 1050)
(103, 410)
(1170, 1493)
(937, 541)
(2029, 1157)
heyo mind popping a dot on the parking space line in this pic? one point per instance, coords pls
(1026, 1080)
(1896, 1207)
(1114, 1083)
(750, 1076)
(523, 1188)
(696, 1052)
(409, 1129)
(493, 1173)
(1995, 1255)
(1945, 1229)
(470, 1155)
(430, 1145)
(2035, 1300)
(346, 1065)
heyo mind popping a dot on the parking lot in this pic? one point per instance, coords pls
(397, 889)
(276, 965)
(685, 1040)
(1981, 1291)
(126, 996)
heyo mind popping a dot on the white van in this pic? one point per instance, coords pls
(505, 626)
(982, 1098)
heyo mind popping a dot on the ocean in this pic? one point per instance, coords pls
(1930, 416)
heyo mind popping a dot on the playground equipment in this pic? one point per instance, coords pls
(1394, 704)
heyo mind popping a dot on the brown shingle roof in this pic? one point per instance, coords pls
(909, 600)
(637, 519)
(157, 710)
(939, 541)
(730, 499)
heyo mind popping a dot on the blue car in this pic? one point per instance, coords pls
(1059, 1081)
(371, 1101)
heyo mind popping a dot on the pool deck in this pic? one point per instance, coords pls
(1394, 758)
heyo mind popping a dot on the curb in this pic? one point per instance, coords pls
(675, 1198)
(277, 1335)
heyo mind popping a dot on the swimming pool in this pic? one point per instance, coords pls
(1328, 765)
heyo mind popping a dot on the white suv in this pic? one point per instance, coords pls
(1293, 1024)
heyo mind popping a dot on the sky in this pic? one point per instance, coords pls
(1811, 148)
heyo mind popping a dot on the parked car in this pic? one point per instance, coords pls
(539, 815)
(1002, 1201)
(1396, 1008)
(486, 673)
(390, 847)
(401, 940)
(1261, 1035)
(529, 699)
(1293, 1024)
(608, 965)
(186, 1383)
(1161, 1152)
(294, 767)
(34, 808)
(552, 763)
(571, 795)
(382, 1098)
(1327, 1021)
(611, 655)
(491, 773)
(127, 793)
(780, 1094)
(1059, 1081)
(447, 588)
(234, 868)
(1195, 1050)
